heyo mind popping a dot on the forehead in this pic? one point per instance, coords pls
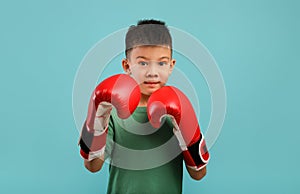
(150, 52)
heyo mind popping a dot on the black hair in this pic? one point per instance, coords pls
(147, 33)
(152, 21)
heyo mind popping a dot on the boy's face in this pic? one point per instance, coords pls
(150, 66)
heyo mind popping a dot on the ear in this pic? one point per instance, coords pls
(173, 61)
(126, 66)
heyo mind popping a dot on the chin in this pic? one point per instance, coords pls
(149, 92)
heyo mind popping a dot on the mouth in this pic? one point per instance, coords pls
(151, 84)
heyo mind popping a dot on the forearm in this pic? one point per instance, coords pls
(197, 175)
(120, 91)
(94, 165)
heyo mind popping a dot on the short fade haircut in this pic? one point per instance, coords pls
(148, 33)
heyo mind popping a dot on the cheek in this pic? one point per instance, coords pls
(164, 76)
(138, 76)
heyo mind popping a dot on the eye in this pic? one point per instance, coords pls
(162, 63)
(142, 63)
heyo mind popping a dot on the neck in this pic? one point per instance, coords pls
(143, 100)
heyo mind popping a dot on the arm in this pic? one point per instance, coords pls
(186, 128)
(94, 165)
(196, 175)
(120, 91)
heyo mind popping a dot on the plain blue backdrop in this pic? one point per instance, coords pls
(255, 43)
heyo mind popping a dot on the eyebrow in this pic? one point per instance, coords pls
(142, 57)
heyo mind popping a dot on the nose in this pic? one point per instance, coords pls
(152, 71)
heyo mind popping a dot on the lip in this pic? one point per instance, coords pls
(151, 84)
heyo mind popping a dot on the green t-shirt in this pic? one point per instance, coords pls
(143, 159)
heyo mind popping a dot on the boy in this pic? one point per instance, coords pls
(149, 62)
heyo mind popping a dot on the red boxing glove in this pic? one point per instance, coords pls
(170, 101)
(120, 91)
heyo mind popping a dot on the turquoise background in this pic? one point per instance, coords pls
(255, 43)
